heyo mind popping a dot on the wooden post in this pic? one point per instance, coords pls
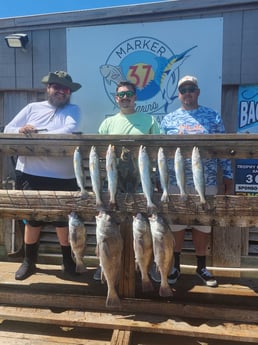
(227, 248)
(127, 277)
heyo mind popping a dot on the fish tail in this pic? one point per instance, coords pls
(202, 199)
(147, 286)
(100, 206)
(164, 197)
(84, 194)
(183, 196)
(165, 291)
(151, 208)
(80, 267)
(113, 301)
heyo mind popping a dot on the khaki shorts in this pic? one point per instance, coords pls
(211, 190)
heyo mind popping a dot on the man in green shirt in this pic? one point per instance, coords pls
(127, 121)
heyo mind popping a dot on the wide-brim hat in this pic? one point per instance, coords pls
(188, 79)
(61, 78)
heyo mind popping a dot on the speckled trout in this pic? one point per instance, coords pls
(77, 239)
(163, 174)
(109, 251)
(95, 176)
(145, 175)
(180, 173)
(78, 171)
(163, 249)
(142, 244)
(198, 174)
(112, 173)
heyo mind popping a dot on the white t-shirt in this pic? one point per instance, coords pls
(56, 121)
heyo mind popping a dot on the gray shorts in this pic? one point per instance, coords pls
(210, 190)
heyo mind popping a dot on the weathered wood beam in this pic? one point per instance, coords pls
(141, 322)
(220, 210)
(211, 145)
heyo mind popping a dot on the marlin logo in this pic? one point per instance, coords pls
(151, 65)
(166, 78)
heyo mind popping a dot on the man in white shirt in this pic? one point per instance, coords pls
(56, 115)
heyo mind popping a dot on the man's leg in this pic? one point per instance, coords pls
(179, 236)
(69, 266)
(28, 266)
(201, 241)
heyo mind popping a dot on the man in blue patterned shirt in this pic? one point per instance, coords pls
(192, 118)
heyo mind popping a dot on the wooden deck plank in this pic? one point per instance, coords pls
(121, 337)
(22, 333)
(144, 323)
(234, 299)
(226, 311)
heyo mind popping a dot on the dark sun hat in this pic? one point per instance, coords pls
(61, 78)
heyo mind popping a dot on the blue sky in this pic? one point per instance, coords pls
(15, 8)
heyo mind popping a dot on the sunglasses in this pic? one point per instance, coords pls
(57, 87)
(125, 93)
(190, 89)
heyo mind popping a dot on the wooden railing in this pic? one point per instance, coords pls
(220, 210)
(224, 211)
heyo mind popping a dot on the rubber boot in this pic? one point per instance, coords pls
(69, 265)
(28, 267)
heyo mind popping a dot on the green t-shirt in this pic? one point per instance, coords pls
(135, 124)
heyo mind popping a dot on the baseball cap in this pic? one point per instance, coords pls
(189, 80)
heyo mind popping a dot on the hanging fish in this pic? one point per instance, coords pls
(77, 165)
(163, 249)
(109, 251)
(77, 239)
(180, 172)
(95, 176)
(112, 174)
(128, 174)
(142, 244)
(198, 174)
(145, 175)
(163, 174)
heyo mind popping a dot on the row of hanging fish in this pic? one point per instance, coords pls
(125, 174)
(153, 242)
(197, 171)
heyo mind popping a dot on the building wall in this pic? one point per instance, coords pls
(23, 70)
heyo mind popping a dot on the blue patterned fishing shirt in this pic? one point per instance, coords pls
(202, 120)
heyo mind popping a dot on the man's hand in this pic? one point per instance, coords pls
(27, 129)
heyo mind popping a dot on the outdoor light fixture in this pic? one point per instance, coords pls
(17, 40)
